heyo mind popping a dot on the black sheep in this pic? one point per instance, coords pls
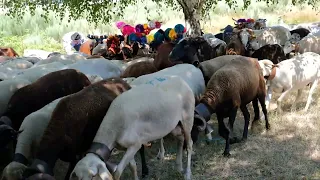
(272, 52)
(300, 33)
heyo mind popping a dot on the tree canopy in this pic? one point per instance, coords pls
(103, 10)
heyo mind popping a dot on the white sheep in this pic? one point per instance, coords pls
(123, 65)
(94, 78)
(36, 53)
(309, 43)
(271, 35)
(292, 74)
(17, 64)
(28, 140)
(56, 64)
(100, 67)
(33, 74)
(152, 113)
(188, 72)
(8, 73)
(65, 59)
(8, 88)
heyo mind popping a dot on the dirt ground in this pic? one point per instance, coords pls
(290, 150)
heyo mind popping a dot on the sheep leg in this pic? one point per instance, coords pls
(145, 170)
(313, 87)
(72, 164)
(177, 132)
(187, 128)
(224, 132)
(262, 100)
(279, 101)
(128, 156)
(161, 152)
(293, 107)
(232, 118)
(133, 168)
(268, 97)
(180, 152)
(246, 116)
(256, 110)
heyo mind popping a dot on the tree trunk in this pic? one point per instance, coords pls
(192, 15)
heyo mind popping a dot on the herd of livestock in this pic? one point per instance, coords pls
(78, 108)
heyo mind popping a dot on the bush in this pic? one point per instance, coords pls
(34, 33)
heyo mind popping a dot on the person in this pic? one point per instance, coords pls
(72, 40)
(76, 41)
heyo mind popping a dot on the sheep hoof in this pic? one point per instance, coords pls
(145, 173)
(226, 154)
(208, 142)
(234, 140)
(243, 139)
(209, 138)
(268, 127)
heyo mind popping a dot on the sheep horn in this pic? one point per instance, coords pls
(111, 167)
(204, 125)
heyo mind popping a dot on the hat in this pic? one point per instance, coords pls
(76, 36)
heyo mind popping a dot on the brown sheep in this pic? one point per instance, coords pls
(233, 86)
(139, 69)
(161, 60)
(8, 51)
(73, 125)
(34, 96)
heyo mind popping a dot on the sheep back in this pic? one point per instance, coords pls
(139, 69)
(40, 93)
(238, 82)
(209, 67)
(189, 73)
(76, 119)
(8, 88)
(101, 67)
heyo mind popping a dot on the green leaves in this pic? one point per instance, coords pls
(98, 11)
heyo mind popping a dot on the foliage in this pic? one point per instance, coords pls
(33, 32)
(106, 10)
(20, 43)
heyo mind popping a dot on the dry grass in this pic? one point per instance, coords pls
(290, 150)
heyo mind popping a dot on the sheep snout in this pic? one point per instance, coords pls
(90, 167)
(13, 171)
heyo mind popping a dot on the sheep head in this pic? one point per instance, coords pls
(90, 166)
(14, 170)
(266, 67)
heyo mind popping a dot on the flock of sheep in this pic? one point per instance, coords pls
(80, 109)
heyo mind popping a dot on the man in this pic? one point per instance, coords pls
(72, 40)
